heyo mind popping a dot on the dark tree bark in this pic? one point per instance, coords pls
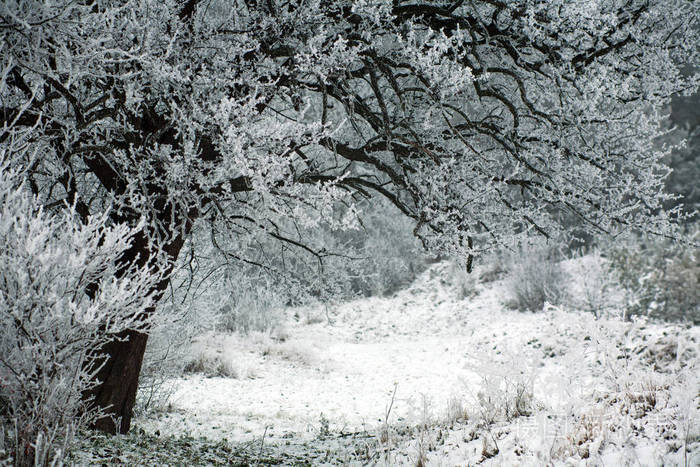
(118, 377)
(119, 380)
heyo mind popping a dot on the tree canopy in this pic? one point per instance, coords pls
(477, 119)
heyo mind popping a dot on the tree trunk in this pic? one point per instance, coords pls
(115, 394)
(119, 381)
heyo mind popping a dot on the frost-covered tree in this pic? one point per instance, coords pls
(479, 120)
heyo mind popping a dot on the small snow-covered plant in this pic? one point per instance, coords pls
(592, 286)
(212, 366)
(324, 430)
(504, 398)
(535, 277)
(456, 410)
(63, 296)
(507, 387)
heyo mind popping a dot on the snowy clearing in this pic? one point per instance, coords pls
(428, 378)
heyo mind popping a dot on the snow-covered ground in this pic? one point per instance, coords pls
(442, 373)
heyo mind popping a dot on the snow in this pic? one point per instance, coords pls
(427, 374)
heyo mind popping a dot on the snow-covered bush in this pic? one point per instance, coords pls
(252, 304)
(506, 390)
(592, 285)
(211, 366)
(661, 279)
(535, 277)
(62, 297)
(494, 267)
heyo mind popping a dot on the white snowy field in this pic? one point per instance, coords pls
(432, 377)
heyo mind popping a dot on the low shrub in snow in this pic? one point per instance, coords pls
(506, 393)
(456, 410)
(254, 306)
(212, 366)
(592, 286)
(61, 299)
(535, 277)
(294, 351)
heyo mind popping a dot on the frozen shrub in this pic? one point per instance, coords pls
(211, 365)
(253, 306)
(456, 411)
(535, 277)
(295, 351)
(507, 386)
(62, 297)
(661, 279)
(504, 398)
(592, 287)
